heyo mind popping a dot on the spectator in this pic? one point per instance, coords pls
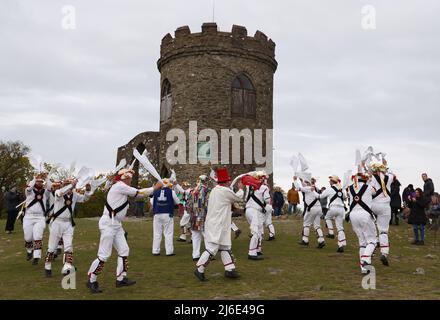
(428, 188)
(324, 202)
(13, 199)
(278, 202)
(408, 193)
(417, 216)
(293, 199)
(434, 212)
(396, 201)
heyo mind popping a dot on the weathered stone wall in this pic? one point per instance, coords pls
(147, 140)
(201, 68)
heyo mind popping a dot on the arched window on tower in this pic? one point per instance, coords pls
(243, 97)
(166, 101)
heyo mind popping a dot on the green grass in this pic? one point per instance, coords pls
(288, 271)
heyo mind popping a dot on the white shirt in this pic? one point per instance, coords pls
(36, 208)
(367, 198)
(218, 219)
(119, 194)
(261, 194)
(376, 185)
(330, 193)
(310, 195)
(59, 202)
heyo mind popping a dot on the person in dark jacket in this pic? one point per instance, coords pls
(396, 201)
(417, 217)
(428, 188)
(278, 202)
(13, 199)
(408, 192)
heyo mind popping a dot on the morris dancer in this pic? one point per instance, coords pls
(336, 197)
(62, 225)
(183, 196)
(164, 201)
(381, 182)
(312, 210)
(198, 207)
(362, 219)
(112, 233)
(257, 199)
(218, 226)
(33, 221)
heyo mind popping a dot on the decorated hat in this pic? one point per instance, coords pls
(335, 179)
(167, 183)
(261, 174)
(252, 181)
(375, 167)
(305, 176)
(125, 173)
(223, 175)
(362, 177)
(185, 184)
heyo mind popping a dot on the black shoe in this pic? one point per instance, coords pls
(384, 260)
(156, 254)
(330, 236)
(256, 258)
(271, 239)
(35, 261)
(303, 243)
(48, 273)
(259, 253)
(29, 256)
(421, 243)
(68, 272)
(196, 259)
(200, 276)
(124, 283)
(170, 255)
(365, 268)
(232, 274)
(94, 287)
(180, 240)
(321, 245)
(340, 250)
(415, 242)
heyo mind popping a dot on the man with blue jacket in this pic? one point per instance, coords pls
(164, 201)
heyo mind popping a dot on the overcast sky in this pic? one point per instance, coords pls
(79, 94)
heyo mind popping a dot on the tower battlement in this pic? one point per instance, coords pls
(211, 40)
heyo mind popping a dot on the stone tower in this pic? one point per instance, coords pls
(218, 81)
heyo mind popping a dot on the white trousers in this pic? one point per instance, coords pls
(268, 223)
(197, 237)
(313, 217)
(256, 222)
(33, 229)
(337, 213)
(163, 224)
(60, 229)
(184, 223)
(112, 235)
(383, 212)
(365, 229)
(211, 251)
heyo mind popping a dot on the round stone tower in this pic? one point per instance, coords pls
(218, 81)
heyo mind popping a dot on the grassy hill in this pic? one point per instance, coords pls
(288, 271)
